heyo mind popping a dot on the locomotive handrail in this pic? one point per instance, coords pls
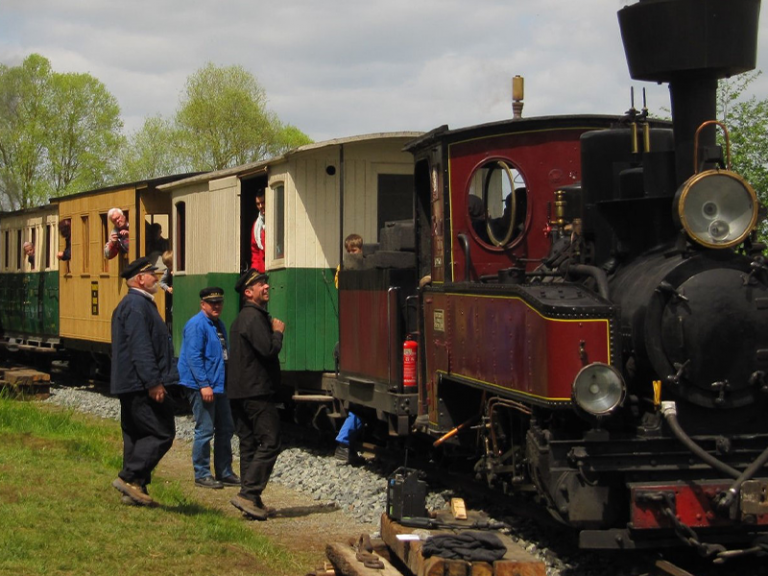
(464, 242)
(696, 144)
(392, 290)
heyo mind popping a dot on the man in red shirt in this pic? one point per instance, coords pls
(257, 235)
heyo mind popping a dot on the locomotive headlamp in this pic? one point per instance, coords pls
(598, 389)
(717, 208)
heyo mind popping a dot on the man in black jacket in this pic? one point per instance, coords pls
(254, 378)
(142, 366)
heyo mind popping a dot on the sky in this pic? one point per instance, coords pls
(337, 68)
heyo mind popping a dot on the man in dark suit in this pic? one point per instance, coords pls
(254, 378)
(142, 366)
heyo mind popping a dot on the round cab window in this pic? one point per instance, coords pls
(497, 203)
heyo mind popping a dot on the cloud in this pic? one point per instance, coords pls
(344, 67)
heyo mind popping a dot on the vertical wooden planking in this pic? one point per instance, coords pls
(76, 318)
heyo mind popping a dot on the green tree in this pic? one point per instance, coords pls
(747, 124)
(288, 138)
(23, 116)
(223, 121)
(59, 133)
(83, 134)
(152, 151)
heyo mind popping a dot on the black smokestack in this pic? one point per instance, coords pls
(690, 44)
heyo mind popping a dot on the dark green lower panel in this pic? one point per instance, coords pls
(29, 304)
(305, 299)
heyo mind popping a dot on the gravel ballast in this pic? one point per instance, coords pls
(359, 490)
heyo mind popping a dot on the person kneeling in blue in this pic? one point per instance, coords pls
(347, 438)
(203, 369)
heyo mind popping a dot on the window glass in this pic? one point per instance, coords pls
(18, 249)
(48, 245)
(279, 238)
(181, 234)
(124, 255)
(156, 238)
(86, 250)
(36, 250)
(395, 199)
(497, 203)
(106, 229)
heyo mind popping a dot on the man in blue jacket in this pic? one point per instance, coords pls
(203, 370)
(142, 366)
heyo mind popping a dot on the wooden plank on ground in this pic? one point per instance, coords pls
(27, 377)
(458, 568)
(25, 392)
(481, 569)
(409, 551)
(343, 558)
(516, 561)
(26, 383)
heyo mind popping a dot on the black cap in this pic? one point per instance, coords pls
(250, 277)
(212, 294)
(142, 264)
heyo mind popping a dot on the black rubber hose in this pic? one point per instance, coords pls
(669, 411)
(733, 491)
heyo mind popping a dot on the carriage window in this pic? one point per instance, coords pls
(106, 229)
(497, 203)
(279, 238)
(181, 234)
(395, 199)
(34, 250)
(18, 249)
(156, 238)
(86, 236)
(48, 245)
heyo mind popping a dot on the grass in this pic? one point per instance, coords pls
(60, 515)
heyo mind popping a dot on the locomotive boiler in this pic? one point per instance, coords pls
(590, 304)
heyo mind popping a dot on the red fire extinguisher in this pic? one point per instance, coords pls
(410, 356)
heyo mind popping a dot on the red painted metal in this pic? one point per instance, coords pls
(546, 159)
(693, 505)
(364, 345)
(502, 342)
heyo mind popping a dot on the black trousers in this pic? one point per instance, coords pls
(148, 432)
(257, 425)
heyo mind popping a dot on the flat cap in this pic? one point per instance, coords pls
(212, 294)
(250, 277)
(139, 265)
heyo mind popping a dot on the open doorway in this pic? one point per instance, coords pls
(250, 188)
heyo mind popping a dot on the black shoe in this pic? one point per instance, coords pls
(260, 504)
(128, 501)
(208, 482)
(231, 480)
(137, 493)
(342, 453)
(253, 510)
(347, 455)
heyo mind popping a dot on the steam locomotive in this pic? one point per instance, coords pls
(579, 305)
(589, 303)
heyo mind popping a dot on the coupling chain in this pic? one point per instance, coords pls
(686, 533)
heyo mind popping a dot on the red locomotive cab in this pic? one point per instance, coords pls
(410, 361)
